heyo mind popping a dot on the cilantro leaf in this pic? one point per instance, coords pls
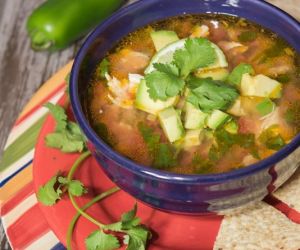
(167, 68)
(247, 36)
(59, 115)
(197, 53)
(48, 194)
(75, 187)
(52, 191)
(292, 115)
(151, 139)
(226, 140)
(235, 77)
(64, 141)
(211, 95)
(129, 219)
(67, 135)
(163, 154)
(165, 157)
(130, 215)
(102, 69)
(164, 82)
(137, 238)
(98, 240)
(201, 165)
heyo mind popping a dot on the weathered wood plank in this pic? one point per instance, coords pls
(22, 70)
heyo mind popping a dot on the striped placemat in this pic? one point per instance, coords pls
(22, 219)
(259, 226)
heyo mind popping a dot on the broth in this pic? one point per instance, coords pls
(213, 118)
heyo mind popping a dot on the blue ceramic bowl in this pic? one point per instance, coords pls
(194, 194)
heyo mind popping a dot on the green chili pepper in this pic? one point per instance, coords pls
(57, 23)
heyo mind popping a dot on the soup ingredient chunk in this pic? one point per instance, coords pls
(162, 38)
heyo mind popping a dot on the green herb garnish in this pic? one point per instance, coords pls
(164, 82)
(275, 143)
(275, 50)
(168, 80)
(225, 140)
(67, 135)
(164, 157)
(235, 77)
(247, 36)
(48, 194)
(211, 95)
(103, 68)
(198, 52)
(103, 132)
(201, 165)
(135, 234)
(53, 190)
(98, 240)
(292, 115)
(283, 78)
(163, 154)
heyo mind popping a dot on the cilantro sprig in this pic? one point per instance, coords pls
(103, 68)
(168, 80)
(208, 94)
(67, 135)
(225, 140)
(164, 82)
(53, 190)
(197, 53)
(135, 235)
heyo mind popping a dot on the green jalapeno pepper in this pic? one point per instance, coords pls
(57, 23)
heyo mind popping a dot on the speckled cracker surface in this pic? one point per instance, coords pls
(261, 226)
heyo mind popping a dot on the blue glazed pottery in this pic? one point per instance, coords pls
(190, 194)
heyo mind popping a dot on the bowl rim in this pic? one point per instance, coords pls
(149, 171)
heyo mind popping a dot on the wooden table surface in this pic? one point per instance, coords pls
(22, 71)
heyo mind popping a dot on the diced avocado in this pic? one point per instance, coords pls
(251, 105)
(162, 38)
(265, 107)
(145, 103)
(171, 124)
(236, 109)
(192, 138)
(218, 74)
(231, 127)
(235, 77)
(194, 118)
(179, 112)
(260, 85)
(217, 118)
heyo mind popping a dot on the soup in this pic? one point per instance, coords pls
(197, 94)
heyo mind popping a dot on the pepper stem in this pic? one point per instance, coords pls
(39, 41)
